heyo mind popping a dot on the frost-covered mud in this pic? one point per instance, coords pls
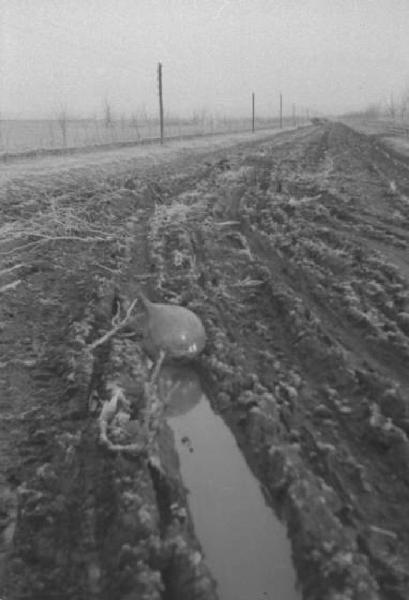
(294, 252)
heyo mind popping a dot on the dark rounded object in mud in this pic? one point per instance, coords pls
(173, 329)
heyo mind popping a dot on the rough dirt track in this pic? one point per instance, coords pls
(294, 251)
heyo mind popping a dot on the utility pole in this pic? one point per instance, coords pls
(281, 110)
(253, 122)
(294, 117)
(160, 101)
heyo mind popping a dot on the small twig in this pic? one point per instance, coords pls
(247, 283)
(172, 390)
(23, 247)
(382, 531)
(45, 238)
(115, 329)
(226, 223)
(71, 237)
(114, 271)
(144, 276)
(139, 448)
(10, 269)
(10, 286)
(158, 365)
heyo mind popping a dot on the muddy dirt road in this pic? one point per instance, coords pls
(293, 249)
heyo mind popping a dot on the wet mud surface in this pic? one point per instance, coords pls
(294, 252)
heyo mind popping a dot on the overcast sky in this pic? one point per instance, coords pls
(328, 55)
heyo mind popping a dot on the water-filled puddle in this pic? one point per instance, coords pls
(245, 546)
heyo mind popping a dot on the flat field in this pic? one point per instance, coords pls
(293, 249)
(38, 135)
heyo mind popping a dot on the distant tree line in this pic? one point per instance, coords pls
(395, 107)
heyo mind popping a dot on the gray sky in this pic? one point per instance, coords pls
(329, 55)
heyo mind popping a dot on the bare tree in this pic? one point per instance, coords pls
(391, 107)
(108, 119)
(62, 123)
(404, 104)
(135, 123)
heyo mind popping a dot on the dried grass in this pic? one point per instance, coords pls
(55, 224)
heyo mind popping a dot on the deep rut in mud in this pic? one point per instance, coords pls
(293, 251)
(244, 543)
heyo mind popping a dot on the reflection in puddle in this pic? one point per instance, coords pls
(181, 388)
(245, 545)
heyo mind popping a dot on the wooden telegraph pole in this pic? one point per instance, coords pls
(253, 123)
(281, 110)
(160, 101)
(294, 116)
